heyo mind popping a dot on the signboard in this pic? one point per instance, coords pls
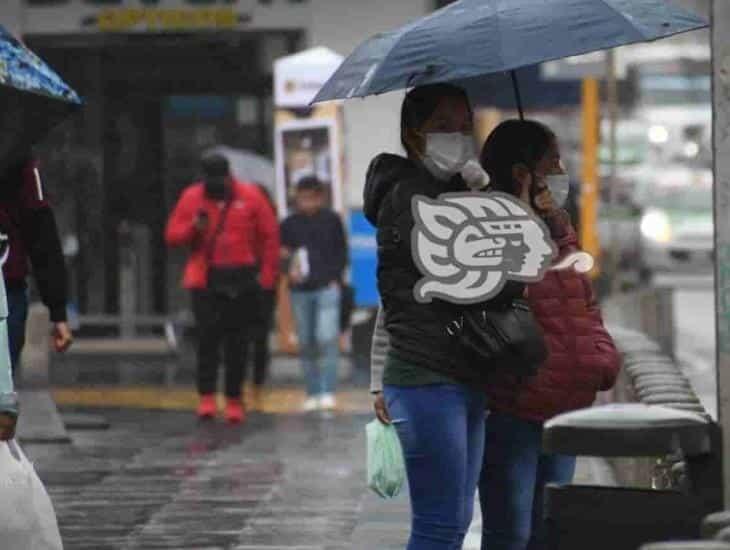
(307, 148)
(363, 260)
(152, 16)
(298, 77)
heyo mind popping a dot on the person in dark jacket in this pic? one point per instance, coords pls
(28, 220)
(523, 158)
(313, 240)
(234, 241)
(435, 400)
(258, 346)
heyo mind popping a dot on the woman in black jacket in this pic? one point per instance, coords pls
(430, 393)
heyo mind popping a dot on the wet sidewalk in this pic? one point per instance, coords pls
(161, 479)
(157, 478)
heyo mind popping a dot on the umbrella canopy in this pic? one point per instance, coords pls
(33, 98)
(247, 166)
(473, 38)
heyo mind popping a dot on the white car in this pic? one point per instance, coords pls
(677, 231)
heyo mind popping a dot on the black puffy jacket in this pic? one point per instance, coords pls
(417, 331)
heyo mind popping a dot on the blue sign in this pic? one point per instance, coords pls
(203, 106)
(363, 260)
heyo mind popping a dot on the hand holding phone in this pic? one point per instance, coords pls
(201, 220)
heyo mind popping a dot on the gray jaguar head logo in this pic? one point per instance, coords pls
(467, 245)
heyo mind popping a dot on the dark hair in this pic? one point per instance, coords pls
(215, 166)
(420, 103)
(514, 142)
(310, 183)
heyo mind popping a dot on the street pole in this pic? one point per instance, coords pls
(720, 18)
(612, 100)
(589, 188)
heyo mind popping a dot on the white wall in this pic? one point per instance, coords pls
(11, 16)
(372, 125)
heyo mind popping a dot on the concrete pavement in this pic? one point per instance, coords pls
(160, 479)
(157, 478)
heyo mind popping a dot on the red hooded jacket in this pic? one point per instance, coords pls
(582, 358)
(250, 235)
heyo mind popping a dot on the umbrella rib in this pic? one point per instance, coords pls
(404, 30)
(623, 16)
(382, 63)
(497, 11)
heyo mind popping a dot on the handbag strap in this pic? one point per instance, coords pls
(217, 232)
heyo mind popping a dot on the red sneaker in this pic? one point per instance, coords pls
(207, 406)
(234, 411)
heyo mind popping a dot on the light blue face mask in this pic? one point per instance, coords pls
(559, 185)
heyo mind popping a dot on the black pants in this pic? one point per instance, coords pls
(259, 340)
(227, 323)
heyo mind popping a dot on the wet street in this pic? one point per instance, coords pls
(161, 480)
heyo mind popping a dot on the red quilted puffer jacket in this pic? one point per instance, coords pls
(582, 358)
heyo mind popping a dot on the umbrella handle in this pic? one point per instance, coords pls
(518, 96)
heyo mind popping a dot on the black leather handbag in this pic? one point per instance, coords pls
(233, 281)
(506, 340)
(229, 281)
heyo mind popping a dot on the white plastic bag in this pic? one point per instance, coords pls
(386, 468)
(27, 518)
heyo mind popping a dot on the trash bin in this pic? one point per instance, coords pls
(623, 518)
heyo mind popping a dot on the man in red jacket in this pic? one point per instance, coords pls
(234, 241)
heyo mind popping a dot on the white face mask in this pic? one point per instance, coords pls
(559, 185)
(446, 154)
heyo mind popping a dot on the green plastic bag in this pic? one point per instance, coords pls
(386, 469)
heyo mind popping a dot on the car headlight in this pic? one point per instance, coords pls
(658, 134)
(691, 149)
(656, 227)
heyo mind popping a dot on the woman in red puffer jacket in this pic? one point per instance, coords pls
(523, 158)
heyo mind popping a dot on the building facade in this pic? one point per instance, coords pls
(162, 81)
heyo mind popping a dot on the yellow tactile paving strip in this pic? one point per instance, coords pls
(271, 401)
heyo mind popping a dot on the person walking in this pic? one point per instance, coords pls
(259, 347)
(26, 217)
(314, 243)
(427, 388)
(522, 158)
(234, 241)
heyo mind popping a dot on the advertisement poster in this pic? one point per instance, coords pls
(307, 148)
(363, 260)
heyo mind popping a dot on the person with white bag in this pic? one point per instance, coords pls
(27, 518)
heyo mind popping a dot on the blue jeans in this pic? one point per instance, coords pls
(513, 479)
(441, 429)
(317, 314)
(17, 316)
